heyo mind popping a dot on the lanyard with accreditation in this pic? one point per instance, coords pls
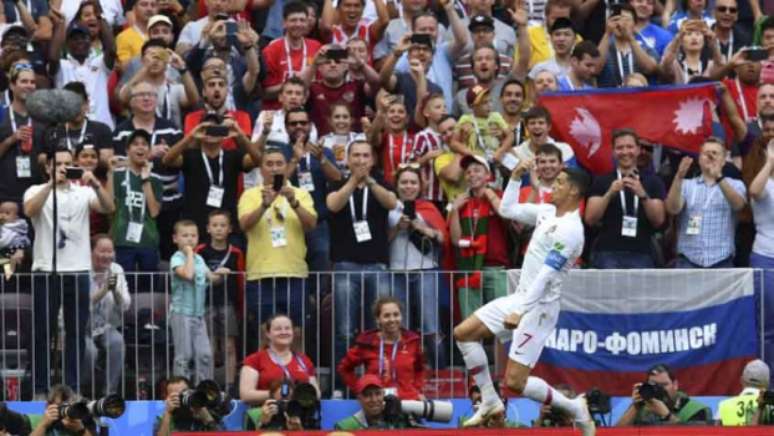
(629, 224)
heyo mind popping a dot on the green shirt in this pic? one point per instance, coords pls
(35, 420)
(685, 409)
(131, 206)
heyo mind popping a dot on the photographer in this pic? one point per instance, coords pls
(750, 406)
(177, 417)
(554, 417)
(283, 410)
(659, 402)
(370, 395)
(498, 420)
(56, 420)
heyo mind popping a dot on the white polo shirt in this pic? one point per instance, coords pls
(73, 245)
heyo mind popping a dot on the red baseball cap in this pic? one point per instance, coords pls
(367, 381)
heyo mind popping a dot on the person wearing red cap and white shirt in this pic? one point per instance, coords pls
(370, 395)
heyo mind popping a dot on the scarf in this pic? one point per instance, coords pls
(474, 225)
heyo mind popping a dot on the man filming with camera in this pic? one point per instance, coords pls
(60, 418)
(181, 414)
(658, 401)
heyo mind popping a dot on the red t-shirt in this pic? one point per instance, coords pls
(397, 148)
(275, 56)
(242, 118)
(301, 368)
(322, 97)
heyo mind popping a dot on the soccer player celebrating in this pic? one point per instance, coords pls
(529, 315)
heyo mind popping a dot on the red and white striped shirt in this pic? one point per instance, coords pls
(424, 142)
(362, 31)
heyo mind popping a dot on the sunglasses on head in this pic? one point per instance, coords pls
(411, 165)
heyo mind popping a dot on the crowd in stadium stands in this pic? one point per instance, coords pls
(370, 138)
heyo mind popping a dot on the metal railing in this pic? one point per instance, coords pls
(43, 342)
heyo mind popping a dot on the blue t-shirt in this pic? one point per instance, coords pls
(654, 37)
(188, 297)
(563, 83)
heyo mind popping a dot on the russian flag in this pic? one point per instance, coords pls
(616, 324)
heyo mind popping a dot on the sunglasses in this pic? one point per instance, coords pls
(726, 9)
(298, 123)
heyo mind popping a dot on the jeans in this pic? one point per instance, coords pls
(112, 342)
(421, 292)
(356, 286)
(622, 260)
(270, 296)
(766, 263)
(682, 262)
(49, 293)
(189, 335)
(318, 248)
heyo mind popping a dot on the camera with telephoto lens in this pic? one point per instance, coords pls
(303, 404)
(650, 391)
(396, 409)
(598, 401)
(207, 394)
(111, 406)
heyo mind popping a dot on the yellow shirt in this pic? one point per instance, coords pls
(269, 254)
(129, 44)
(540, 44)
(450, 190)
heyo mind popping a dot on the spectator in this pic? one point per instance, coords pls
(341, 134)
(562, 34)
(238, 56)
(399, 25)
(211, 173)
(275, 222)
(347, 21)
(447, 166)
(407, 83)
(538, 121)
(624, 240)
(544, 81)
(390, 133)
(192, 33)
(620, 52)
(130, 41)
(142, 103)
(73, 262)
(742, 77)
(78, 66)
(706, 208)
(583, 68)
(50, 422)
(274, 363)
(287, 56)
(138, 196)
(479, 234)
(419, 242)
(177, 417)
(482, 33)
(512, 102)
(505, 36)
(190, 277)
(223, 297)
(428, 145)
(730, 37)
(17, 164)
(14, 237)
(311, 168)
(744, 408)
(540, 44)
(334, 87)
(370, 395)
(484, 63)
(109, 300)
(156, 60)
(669, 406)
(360, 253)
(32, 16)
(690, 42)
(483, 131)
(159, 27)
(403, 373)
(648, 33)
(88, 15)
(765, 109)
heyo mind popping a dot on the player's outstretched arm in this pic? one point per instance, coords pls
(510, 208)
